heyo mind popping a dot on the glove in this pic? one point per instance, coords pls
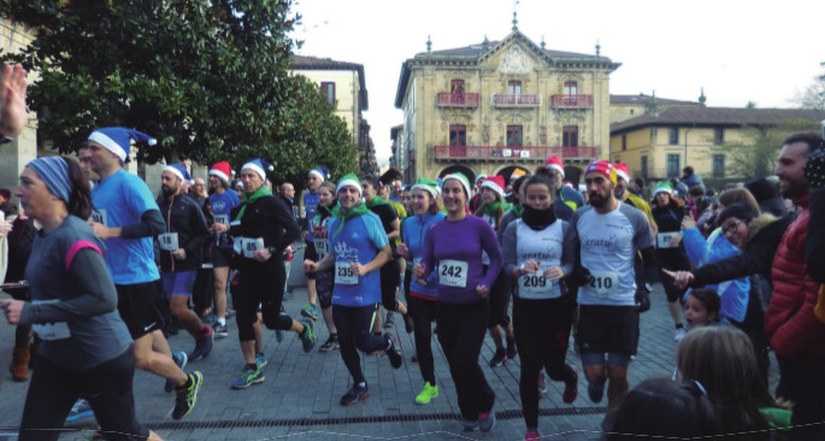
(815, 168)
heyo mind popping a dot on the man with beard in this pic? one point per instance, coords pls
(622, 194)
(794, 333)
(608, 235)
(181, 252)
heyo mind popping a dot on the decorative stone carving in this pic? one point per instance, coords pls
(515, 62)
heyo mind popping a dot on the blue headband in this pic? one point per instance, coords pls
(54, 171)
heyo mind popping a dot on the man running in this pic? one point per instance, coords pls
(126, 218)
(222, 200)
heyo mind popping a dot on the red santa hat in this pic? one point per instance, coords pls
(222, 171)
(623, 171)
(495, 183)
(555, 163)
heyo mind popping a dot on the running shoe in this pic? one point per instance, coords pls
(180, 359)
(469, 425)
(427, 394)
(571, 386)
(308, 336)
(679, 334)
(203, 345)
(512, 351)
(81, 410)
(486, 421)
(260, 360)
(249, 377)
(220, 330)
(389, 322)
(279, 335)
(498, 358)
(355, 394)
(330, 345)
(542, 383)
(309, 311)
(187, 396)
(595, 391)
(532, 435)
(392, 353)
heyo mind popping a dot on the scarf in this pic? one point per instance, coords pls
(538, 219)
(249, 198)
(359, 209)
(492, 210)
(517, 210)
(376, 201)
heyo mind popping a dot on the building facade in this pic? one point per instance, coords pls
(491, 107)
(344, 86)
(657, 145)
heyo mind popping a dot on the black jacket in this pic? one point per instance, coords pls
(184, 216)
(268, 218)
(815, 241)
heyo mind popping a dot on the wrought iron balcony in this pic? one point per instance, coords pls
(571, 101)
(511, 100)
(447, 99)
(527, 154)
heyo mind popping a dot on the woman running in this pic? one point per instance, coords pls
(454, 247)
(86, 349)
(325, 279)
(538, 254)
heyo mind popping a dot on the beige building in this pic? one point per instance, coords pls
(491, 107)
(344, 86)
(624, 107)
(657, 145)
(16, 154)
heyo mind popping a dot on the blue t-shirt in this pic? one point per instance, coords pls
(311, 209)
(222, 204)
(359, 240)
(413, 231)
(120, 200)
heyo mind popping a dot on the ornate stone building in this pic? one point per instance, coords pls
(495, 106)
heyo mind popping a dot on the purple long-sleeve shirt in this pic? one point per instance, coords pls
(454, 249)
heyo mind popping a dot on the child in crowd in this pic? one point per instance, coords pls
(702, 308)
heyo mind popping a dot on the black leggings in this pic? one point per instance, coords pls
(390, 278)
(107, 387)
(423, 314)
(461, 330)
(261, 284)
(354, 324)
(542, 329)
(500, 294)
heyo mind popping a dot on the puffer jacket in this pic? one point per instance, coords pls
(790, 324)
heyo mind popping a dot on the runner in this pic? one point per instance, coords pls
(492, 210)
(86, 346)
(609, 233)
(309, 206)
(181, 253)
(262, 227)
(454, 248)
(566, 199)
(384, 182)
(126, 217)
(324, 280)
(222, 200)
(357, 248)
(422, 293)
(538, 253)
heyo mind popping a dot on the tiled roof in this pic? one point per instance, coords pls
(645, 99)
(716, 116)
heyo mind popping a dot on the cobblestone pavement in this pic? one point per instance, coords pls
(299, 399)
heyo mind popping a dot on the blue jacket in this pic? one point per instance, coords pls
(733, 293)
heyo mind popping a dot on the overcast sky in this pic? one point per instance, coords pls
(739, 51)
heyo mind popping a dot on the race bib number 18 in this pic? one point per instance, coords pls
(452, 273)
(168, 241)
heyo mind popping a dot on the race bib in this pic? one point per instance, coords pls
(602, 283)
(663, 239)
(452, 273)
(250, 245)
(168, 241)
(99, 216)
(52, 331)
(534, 284)
(321, 247)
(344, 274)
(221, 219)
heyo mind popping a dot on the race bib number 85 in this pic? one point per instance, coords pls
(452, 273)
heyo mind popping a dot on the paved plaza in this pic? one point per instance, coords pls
(299, 399)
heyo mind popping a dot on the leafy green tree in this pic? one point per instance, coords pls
(814, 95)
(208, 79)
(756, 157)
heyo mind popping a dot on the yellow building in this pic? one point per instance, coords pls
(490, 107)
(657, 145)
(344, 86)
(624, 107)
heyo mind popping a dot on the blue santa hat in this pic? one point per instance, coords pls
(259, 166)
(118, 140)
(321, 172)
(178, 169)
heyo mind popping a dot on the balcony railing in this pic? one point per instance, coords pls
(571, 101)
(472, 153)
(511, 100)
(447, 99)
